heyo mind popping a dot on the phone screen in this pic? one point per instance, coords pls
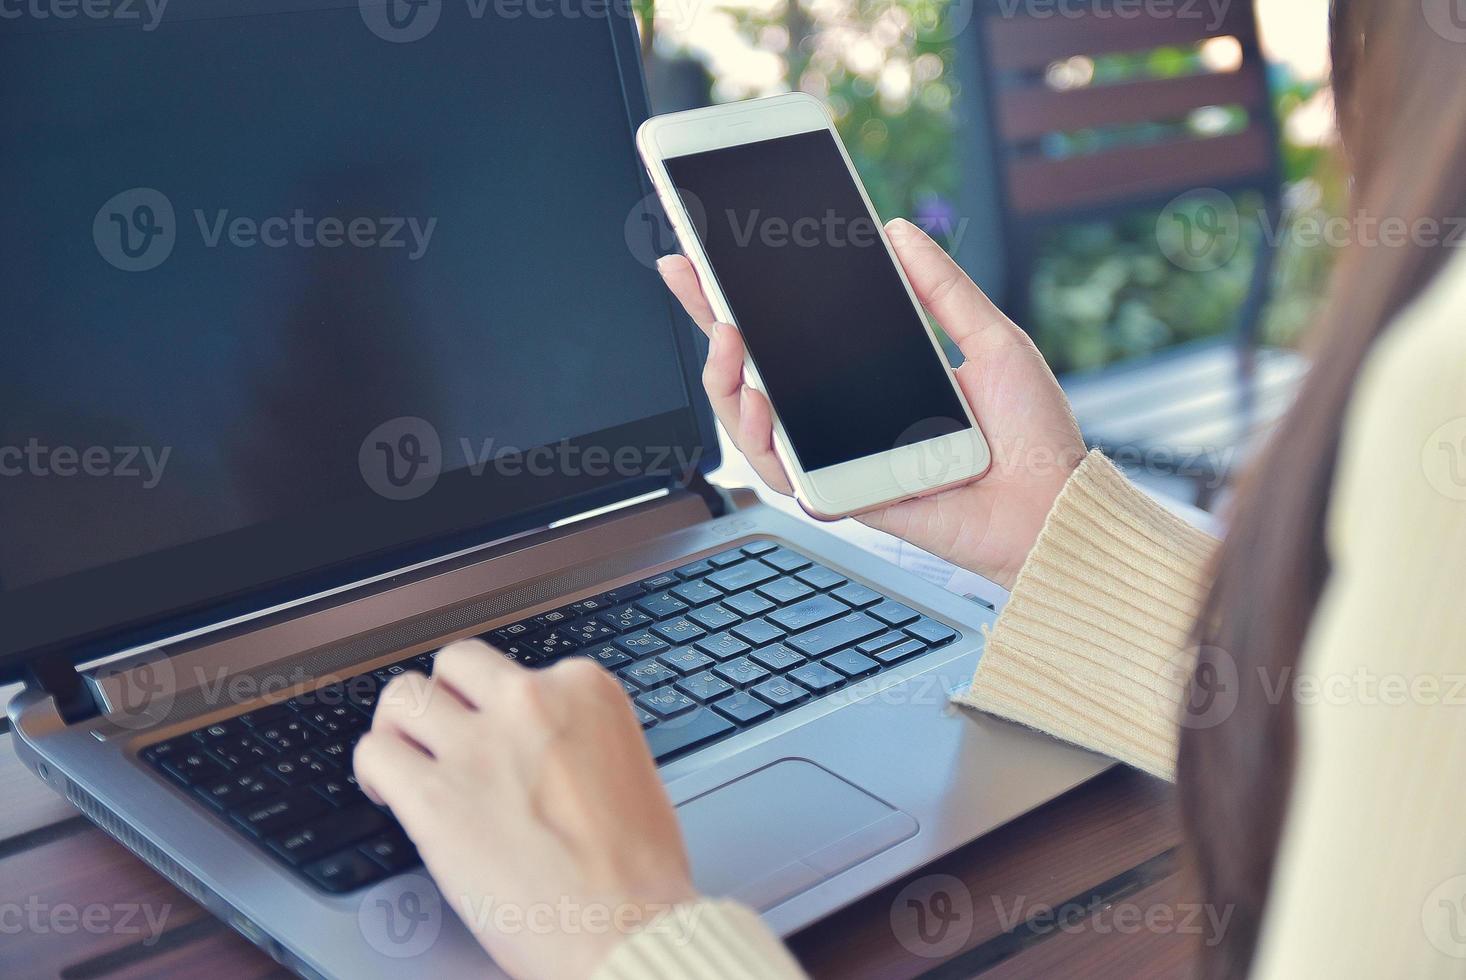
(841, 350)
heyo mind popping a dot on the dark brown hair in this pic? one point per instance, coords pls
(1400, 89)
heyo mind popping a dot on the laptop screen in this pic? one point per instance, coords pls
(292, 291)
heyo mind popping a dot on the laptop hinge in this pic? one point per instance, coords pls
(716, 499)
(73, 696)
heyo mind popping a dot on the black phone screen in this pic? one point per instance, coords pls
(829, 324)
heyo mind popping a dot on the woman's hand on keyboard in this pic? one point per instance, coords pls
(988, 526)
(533, 801)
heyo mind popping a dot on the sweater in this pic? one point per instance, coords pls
(1092, 648)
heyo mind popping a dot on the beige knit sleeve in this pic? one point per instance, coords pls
(704, 940)
(1093, 644)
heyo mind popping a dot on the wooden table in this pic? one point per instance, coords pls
(1104, 856)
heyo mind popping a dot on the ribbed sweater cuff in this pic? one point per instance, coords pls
(1093, 646)
(704, 940)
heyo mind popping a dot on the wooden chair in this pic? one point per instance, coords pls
(1222, 391)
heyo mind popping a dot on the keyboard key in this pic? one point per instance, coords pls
(741, 672)
(715, 617)
(193, 768)
(780, 692)
(392, 851)
(722, 646)
(817, 677)
(697, 593)
(553, 618)
(330, 833)
(174, 746)
(608, 655)
(275, 814)
(648, 674)
(931, 632)
(695, 729)
(857, 595)
(661, 605)
(904, 651)
(704, 686)
(785, 590)
(745, 709)
(556, 643)
(666, 702)
(337, 753)
(748, 604)
(343, 872)
(219, 730)
(659, 583)
(876, 643)
(644, 718)
(686, 660)
(810, 612)
(758, 548)
(695, 570)
(776, 657)
(235, 753)
(589, 607)
(298, 768)
(727, 559)
(757, 632)
(851, 664)
(238, 789)
(821, 577)
(786, 561)
(624, 618)
(338, 720)
(624, 593)
(588, 631)
(750, 574)
(893, 613)
(340, 791)
(642, 644)
(843, 632)
(677, 631)
(510, 633)
(274, 714)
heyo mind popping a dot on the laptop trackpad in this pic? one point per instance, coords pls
(767, 836)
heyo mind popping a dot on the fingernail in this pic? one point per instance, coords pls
(663, 263)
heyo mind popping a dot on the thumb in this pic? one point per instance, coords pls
(963, 310)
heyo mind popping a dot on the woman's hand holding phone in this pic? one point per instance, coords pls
(988, 526)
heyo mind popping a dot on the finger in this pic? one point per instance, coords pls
(680, 277)
(756, 439)
(963, 310)
(722, 375)
(423, 711)
(383, 764)
(472, 669)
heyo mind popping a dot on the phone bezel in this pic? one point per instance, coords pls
(859, 485)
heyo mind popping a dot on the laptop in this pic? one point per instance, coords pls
(332, 337)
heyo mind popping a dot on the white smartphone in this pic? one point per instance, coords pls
(767, 206)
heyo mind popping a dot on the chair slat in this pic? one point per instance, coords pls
(1028, 42)
(1040, 186)
(1030, 112)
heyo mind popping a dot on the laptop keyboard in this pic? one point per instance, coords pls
(703, 651)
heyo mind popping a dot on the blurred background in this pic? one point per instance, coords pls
(1123, 176)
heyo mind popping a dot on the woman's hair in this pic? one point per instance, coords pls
(1400, 92)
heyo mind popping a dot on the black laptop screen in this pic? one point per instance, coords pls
(288, 288)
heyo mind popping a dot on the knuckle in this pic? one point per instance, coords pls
(404, 692)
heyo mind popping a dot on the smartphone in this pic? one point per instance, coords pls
(767, 206)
